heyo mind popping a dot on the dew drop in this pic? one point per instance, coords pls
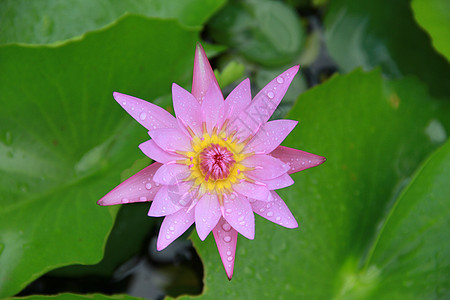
(168, 236)
(148, 186)
(227, 239)
(280, 80)
(124, 102)
(241, 218)
(171, 228)
(278, 218)
(242, 223)
(228, 253)
(270, 95)
(270, 214)
(143, 198)
(229, 258)
(125, 200)
(142, 116)
(226, 227)
(228, 211)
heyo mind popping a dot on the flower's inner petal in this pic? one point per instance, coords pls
(275, 211)
(270, 136)
(278, 182)
(239, 214)
(297, 160)
(171, 174)
(147, 114)
(152, 150)
(173, 226)
(207, 214)
(203, 74)
(236, 102)
(226, 239)
(162, 204)
(252, 190)
(212, 106)
(138, 188)
(171, 139)
(264, 104)
(187, 109)
(265, 166)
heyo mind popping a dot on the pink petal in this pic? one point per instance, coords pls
(162, 205)
(152, 150)
(173, 226)
(171, 174)
(275, 211)
(278, 182)
(147, 114)
(138, 188)
(187, 108)
(236, 102)
(207, 214)
(264, 104)
(297, 160)
(266, 166)
(239, 214)
(203, 74)
(212, 106)
(171, 139)
(252, 190)
(270, 136)
(226, 239)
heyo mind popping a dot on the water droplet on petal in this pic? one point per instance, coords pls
(242, 223)
(227, 239)
(226, 227)
(270, 214)
(168, 236)
(142, 116)
(143, 198)
(280, 80)
(278, 218)
(171, 228)
(270, 95)
(125, 200)
(228, 211)
(148, 186)
(229, 258)
(228, 253)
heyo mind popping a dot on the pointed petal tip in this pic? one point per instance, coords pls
(229, 276)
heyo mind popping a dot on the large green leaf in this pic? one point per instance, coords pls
(65, 141)
(384, 32)
(68, 296)
(434, 17)
(411, 253)
(374, 134)
(43, 21)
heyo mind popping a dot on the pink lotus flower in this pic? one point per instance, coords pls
(217, 162)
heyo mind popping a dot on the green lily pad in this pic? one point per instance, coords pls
(69, 296)
(65, 141)
(374, 134)
(434, 17)
(373, 33)
(44, 22)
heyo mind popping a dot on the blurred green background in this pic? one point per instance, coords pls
(372, 96)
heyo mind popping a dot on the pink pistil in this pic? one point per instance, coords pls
(216, 162)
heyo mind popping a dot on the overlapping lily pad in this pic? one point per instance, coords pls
(384, 33)
(434, 16)
(44, 22)
(65, 141)
(374, 134)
